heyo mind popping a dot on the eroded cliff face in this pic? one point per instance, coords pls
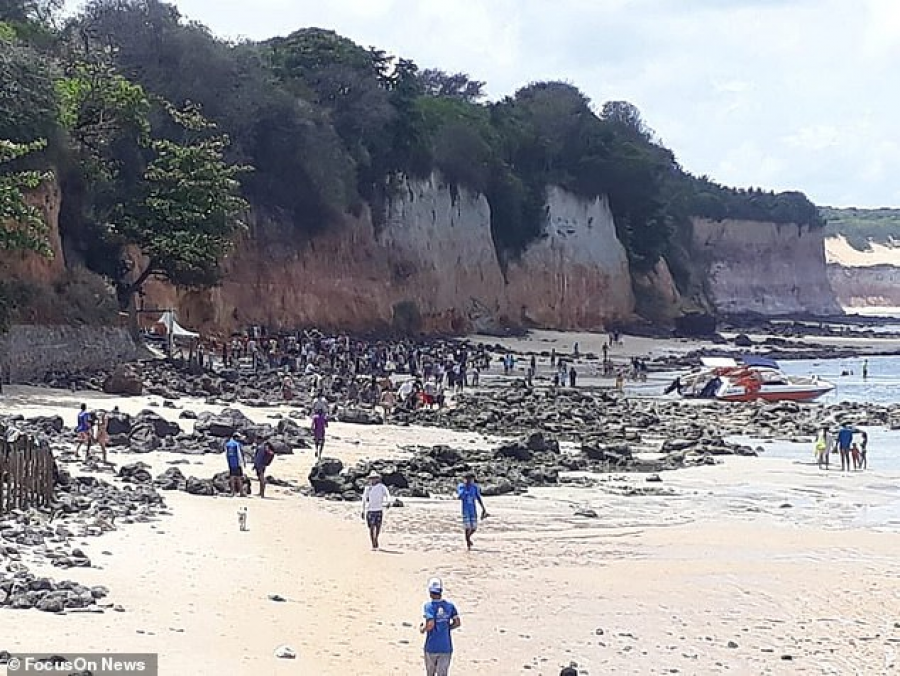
(576, 276)
(866, 286)
(434, 254)
(31, 266)
(764, 268)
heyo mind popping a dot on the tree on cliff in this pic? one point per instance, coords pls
(22, 225)
(187, 212)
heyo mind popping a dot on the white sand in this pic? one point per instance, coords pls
(838, 250)
(656, 584)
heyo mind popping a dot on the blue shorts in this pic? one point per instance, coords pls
(470, 521)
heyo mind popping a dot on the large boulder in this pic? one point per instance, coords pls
(171, 480)
(326, 478)
(118, 423)
(143, 439)
(124, 380)
(137, 472)
(161, 427)
(223, 424)
(360, 416)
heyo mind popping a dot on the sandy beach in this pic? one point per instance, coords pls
(753, 566)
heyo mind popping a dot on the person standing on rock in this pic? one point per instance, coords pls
(469, 494)
(573, 374)
(440, 619)
(234, 454)
(265, 454)
(83, 429)
(374, 501)
(319, 424)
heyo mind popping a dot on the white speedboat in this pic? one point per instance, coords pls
(749, 379)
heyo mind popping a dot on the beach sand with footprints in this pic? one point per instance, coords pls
(752, 566)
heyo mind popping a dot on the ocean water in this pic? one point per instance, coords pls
(881, 387)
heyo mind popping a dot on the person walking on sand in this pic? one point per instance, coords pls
(844, 440)
(374, 501)
(440, 619)
(265, 454)
(103, 432)
(865, 369)
(234, 454)
(469, 494)
(863, 446)
(319, 423)
(83, 429)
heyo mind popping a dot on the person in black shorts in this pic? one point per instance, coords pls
(375, 499)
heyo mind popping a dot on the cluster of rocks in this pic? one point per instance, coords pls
(21, 590)
(83, 506)
(513, 467)
(173, 479)
(171, 380)
(641, 423)
(148, 431)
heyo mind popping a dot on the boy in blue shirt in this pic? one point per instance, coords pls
(469, 494)
(440, 619)
(234, 454)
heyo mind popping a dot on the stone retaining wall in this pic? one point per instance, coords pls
(29, 352)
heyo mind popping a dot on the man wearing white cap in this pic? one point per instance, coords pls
(375, 499)
(440, 619)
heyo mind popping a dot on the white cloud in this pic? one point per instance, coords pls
(787, 94)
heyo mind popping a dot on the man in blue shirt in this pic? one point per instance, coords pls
(469, 494)
(83, 428)
(234, 454)
(844, 440)
(440, 619)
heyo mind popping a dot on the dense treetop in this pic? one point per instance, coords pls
(328, 126)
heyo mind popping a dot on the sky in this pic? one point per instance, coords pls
(780, 94)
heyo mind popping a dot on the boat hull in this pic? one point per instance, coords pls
(775, 395)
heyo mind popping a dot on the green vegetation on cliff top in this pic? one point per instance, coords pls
(863, 227)
(327, 127)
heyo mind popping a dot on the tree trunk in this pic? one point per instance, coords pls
(131, 291)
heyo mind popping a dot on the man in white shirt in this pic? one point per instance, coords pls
(375, 500)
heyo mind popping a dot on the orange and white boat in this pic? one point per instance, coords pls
(749, 379)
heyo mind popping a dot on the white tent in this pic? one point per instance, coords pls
(173, 328)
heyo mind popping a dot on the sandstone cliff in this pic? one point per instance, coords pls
(764, 268)
(864, 286)
(864, 278)
(31, 266)
(434, 257)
